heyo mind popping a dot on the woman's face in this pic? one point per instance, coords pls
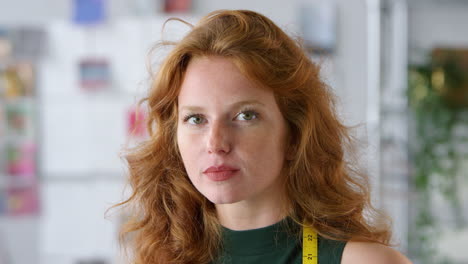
(228, 124)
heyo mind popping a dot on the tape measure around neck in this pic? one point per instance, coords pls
(309, 246)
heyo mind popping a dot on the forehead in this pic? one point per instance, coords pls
(217, 80)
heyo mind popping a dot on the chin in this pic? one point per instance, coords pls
(222, 199)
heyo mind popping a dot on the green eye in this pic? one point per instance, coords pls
(195, 120)
(248, 115)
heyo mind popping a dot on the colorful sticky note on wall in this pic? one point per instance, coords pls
(21, 160)
(94, 74)
(17, 80)
(136, 122)
(23, 201)
(29, 43)
(172, 6)
(88, 12)
(19, 119)
(5, 44)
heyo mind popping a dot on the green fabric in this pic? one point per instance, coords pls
(274, 245)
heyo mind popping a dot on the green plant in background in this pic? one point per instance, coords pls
(438, 97)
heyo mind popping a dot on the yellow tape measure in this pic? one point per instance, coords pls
(309, 246)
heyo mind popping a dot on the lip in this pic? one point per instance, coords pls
(220, 168)
(220, 173)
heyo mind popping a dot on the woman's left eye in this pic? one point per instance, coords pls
(247, 115)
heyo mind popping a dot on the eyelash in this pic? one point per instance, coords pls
(247, 110)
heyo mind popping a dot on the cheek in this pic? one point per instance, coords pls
(263, 145)
(188, 147)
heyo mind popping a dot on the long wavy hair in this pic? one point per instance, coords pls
(171, 222)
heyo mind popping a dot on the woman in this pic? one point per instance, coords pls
(245, 155)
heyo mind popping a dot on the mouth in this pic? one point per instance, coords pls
(221, 173)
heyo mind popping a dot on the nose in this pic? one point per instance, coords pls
(218, 138)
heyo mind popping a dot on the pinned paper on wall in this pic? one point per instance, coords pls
(28, 43)
(17, 80)
(5, 44)
(136, 123)
(20, 119)
(21, 160)
(89, 12)
(94, 74)
(173, 6)
(23, 201)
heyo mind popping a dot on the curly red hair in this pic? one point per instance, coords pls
(171, 222)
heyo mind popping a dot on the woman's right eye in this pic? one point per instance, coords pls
(194, 119)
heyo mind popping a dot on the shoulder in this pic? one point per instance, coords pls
(366, 252)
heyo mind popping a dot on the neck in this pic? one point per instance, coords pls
(252, 214)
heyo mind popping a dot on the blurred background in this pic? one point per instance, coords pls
(71, 72)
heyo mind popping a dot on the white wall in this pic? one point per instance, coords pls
(32, 12)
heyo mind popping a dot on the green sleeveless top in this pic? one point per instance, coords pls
(274, 245)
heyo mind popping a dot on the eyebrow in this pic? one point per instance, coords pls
(234, 105)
